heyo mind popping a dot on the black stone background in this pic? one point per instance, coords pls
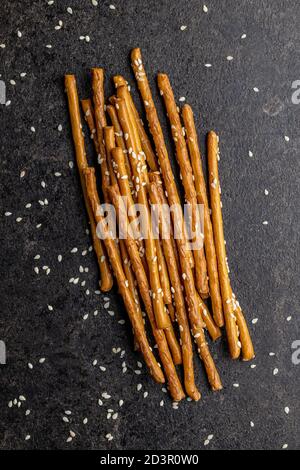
(264, 259)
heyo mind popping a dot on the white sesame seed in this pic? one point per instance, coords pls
(286, 138)
(205, 9)
(254, 321)
(27, 437)
(243, 36)
(287, 410)
(183, 27)
(112, 7)
(256, 89)
(70, 11)
(275, 371)
(229, 58)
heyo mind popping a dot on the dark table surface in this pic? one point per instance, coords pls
(260, 150)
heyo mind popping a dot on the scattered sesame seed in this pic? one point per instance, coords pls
(275, 371)
(256, 89)
(287, 410)
(229, 58)
(183, 27)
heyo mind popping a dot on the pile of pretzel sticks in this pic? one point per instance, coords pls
(160, 275)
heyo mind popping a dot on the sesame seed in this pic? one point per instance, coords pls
(205, 9)
(183, 27)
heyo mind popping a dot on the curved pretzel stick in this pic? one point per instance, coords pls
(115, 259)
(119, 136)
(185, 261)
(158, 138)
(140, 177)
(146, 144)
(245, 338)
(187, 179)
(200, 186)
(181, 315)
(233, 315)
(144, 288)
(110, 143)
(106, 279)
(100, 119)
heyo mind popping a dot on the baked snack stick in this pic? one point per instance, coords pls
(125, 190)
(145, 141)
(158, 139)
(187, 180)
(100, 119)
(200, 186)
(139, 171)
(229, 306)
(110, 143)
(181, 314)
(111, 111)
(87, 108)
(106, 278)
(144, 289)
(116, 262)
(163, 273)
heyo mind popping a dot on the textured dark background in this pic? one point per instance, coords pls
(264, 259)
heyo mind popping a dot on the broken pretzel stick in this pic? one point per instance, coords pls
(200, 186)
(106, 279)
(187, 180)
(230, 310)
(115, 259)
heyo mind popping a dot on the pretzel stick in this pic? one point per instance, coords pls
(87, 108)
(140, 177)
(146, 144)
(154, 177)
(233, 316)
(98, 98)
(125, 190)
(171, 311)
(163, 273)
(106, 279)
(185, 261)
(119, 136)
(187, 180)
(213, 330)
(245, 338)
(110, 143)
(144, 288)
(115, 259)
(131, 281)
(181, 314)
(200, 186)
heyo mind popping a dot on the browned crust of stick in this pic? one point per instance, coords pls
(100, 119)
(115, 259)
(158, 137)
(233, 316)
(145, 141)
(200, 186)
(181, 314)
(139, 171)
(119, 136)
(144, 288)
(187, 179)
(106, 278)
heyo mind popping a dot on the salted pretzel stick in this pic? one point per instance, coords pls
(173, 198)
(115, 259)
(106, 279)
(144, 288)
(140, 177)
(119, 81)
(110, 143)
(125, 190)
(87, 108)
(119, 135)
(187, 180)
(213, 330)
(163, 273)
(181, 314)
(100, 119)
(155, 177)
(131, 281)
(245, 338)
(200, 186)
(233, 316)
